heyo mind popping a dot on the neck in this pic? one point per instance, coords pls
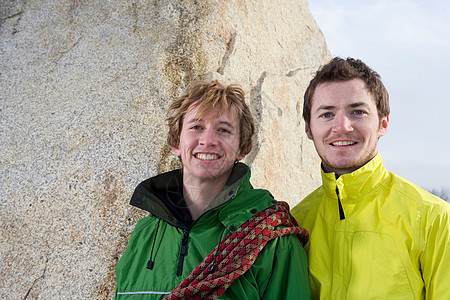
(341, 171)
(198, 195)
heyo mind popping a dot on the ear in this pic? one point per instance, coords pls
(383, 126)
(242, 154)
(176, 151)
(308, 132)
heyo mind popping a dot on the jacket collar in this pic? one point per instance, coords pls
(356, 184)
(162, 195)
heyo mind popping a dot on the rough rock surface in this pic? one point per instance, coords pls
(84, 86)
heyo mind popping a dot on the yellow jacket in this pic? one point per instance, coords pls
(392, 243)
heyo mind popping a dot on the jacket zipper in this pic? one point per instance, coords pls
(341, 209)
(183, 250)
(184, 240)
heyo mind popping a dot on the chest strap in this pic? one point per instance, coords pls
(236, 253)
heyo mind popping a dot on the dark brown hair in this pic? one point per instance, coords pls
(339, 69)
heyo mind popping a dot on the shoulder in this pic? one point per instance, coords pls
(403, 188)
(307, 204)
(426, 206)
(253, 199)
(286, 247)
(146, 224)
(287, 244)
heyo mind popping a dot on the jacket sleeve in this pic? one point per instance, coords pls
(289, 277)
(435, 260)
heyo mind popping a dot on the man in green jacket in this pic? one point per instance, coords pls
(374, 235)
(209, 233)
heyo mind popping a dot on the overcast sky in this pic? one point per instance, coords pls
(408, 43)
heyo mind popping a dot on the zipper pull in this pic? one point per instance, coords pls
(183, 251)
(341, 209)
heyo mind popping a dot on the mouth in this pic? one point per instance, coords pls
(342, 143)
(206, 156)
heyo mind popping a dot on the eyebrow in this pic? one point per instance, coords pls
(325, 107)
(328, 107)
(358, 104)
(201, 120)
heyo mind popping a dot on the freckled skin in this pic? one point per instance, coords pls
(344, 112)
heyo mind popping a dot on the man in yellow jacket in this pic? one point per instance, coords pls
(373, 234)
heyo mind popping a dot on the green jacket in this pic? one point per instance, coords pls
(176, 245)
(390, 241)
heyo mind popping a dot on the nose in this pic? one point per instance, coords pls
(208, 137)
(342, 124)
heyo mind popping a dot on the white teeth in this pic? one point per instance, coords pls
(204, 156)
(343, 143)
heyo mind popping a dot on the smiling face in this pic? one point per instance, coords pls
(344, 125)
(209, 146)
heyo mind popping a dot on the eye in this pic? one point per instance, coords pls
(224, 130)
(358, 112)
(326, 115)
(196, 127)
